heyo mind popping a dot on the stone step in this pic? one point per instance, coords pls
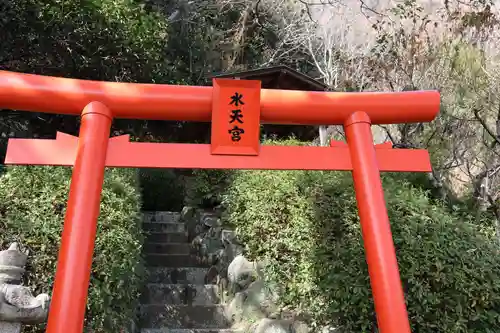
(170, 275)
(167, 248)
(166, 237)
(161, 216)
(179, 294)
(172, 260)
(182, 316)
(163, 227)
(187, 330)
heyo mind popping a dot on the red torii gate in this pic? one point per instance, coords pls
(236, 109)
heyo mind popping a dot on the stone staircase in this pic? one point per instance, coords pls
(176, 298)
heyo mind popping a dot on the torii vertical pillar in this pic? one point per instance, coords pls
(67, 308)
(388, 296)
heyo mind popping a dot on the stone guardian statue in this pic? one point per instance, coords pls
(17, 304)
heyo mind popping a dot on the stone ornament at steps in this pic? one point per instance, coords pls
(253, 307)
(249, 304)
(241, 273)
(17, 304)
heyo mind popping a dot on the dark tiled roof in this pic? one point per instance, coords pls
(276, 76)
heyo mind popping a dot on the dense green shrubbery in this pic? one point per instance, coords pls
(32, 212)
(101, 40)
(161, 189)
(205, 187)
(305, 225)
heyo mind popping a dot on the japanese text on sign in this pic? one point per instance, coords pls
(236, 116)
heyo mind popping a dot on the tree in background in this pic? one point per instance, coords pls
(378, 47)
(409, 46)
(128, 41)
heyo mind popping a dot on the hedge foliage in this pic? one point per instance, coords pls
(204, 187)
(32, 212)
(305, 226)
(96, 39)
(161, 189)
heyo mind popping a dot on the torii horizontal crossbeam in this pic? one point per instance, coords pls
(122, 153)
(190, 103)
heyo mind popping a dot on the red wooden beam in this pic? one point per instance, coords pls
(388, 296)
(122, 153)
(69, 297)
(190, 103)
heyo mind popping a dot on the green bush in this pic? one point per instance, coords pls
(103, 39)
(205, 186)
(161, 189)
(32, 212)
(305, 226)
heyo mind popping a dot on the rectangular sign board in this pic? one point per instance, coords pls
(235, 117)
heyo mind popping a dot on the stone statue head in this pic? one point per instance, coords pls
(12, 264)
